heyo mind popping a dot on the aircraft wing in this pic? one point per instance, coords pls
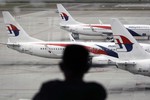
(11, 44)
(3, 43)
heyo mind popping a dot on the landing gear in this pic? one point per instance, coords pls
(90, 61)
(148, 37)
(75, 36)
(110, 38)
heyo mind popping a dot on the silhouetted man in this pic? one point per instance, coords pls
(74, 65)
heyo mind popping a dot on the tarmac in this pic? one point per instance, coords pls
(21, 75)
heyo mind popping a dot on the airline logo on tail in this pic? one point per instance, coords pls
(123, 43)
(13, 30)
(64, 16)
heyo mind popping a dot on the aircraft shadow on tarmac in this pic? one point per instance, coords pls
(30, 64)
(137, 88)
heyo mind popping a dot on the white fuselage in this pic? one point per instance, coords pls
(55, 49)
(141, 67)
(105, 29)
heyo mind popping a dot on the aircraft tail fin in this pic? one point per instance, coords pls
(15, 32)
(65, 17)
(127, 47)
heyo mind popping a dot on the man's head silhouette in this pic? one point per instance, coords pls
(75, 60)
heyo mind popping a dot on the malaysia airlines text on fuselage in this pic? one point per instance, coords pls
(105, 29)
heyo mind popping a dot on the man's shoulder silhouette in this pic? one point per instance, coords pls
(61, 90)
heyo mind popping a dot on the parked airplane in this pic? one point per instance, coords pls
(19, 40)
(70, 24)
(132, 57)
